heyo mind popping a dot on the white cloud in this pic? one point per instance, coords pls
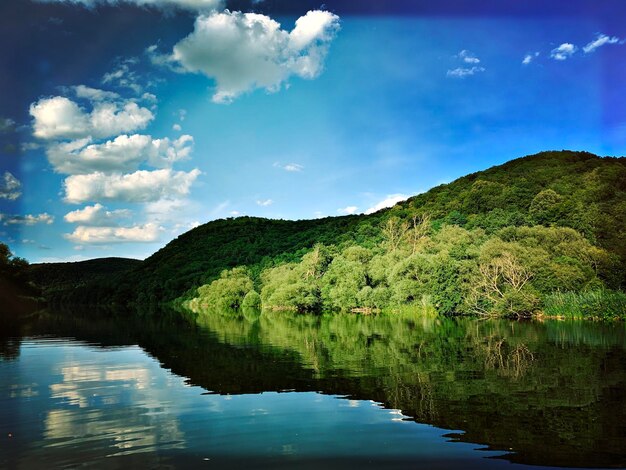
(96, 215)
(109, 119)
(389, 201)
(149, 97)
(564, 51)
(28, 146)
(177, 128)
(528, 58)
(10, 187)
(194, 5)
(28, 219)
(61, 118)
(290, 167)
(95, 235)
(599, 41)
(348, 210)
(176, 215)
(468, 57)
(122, 154)
(465, 71)
(123, 76)
(462, 72)
(293, 167)
(94, 94)
(265, 202)
(140, 186)
(246, 51)
(165, 207)
(178, 229)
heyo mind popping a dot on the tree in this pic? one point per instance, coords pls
(545, 207)
(418, 231)
(394, 231)
(227, 292)
(502, 287)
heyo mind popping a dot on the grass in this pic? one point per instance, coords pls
(596, 304)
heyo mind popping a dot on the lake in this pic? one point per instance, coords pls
(277, 389)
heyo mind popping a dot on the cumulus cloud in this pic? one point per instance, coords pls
(348, 210)
(10, 187)
(96, 235)
(59, 117)
(194, 5)
(389, 201)
(122, 154)
(28, 219)
(599, 41)
(564, 51)
(246, 51)
(96, 215)
(110, 118)
(528, 58)
(140, 186)
(265, 202)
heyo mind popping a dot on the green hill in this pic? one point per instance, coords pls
(455, 230)
(59, 278)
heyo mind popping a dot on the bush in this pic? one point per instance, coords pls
(251, 300)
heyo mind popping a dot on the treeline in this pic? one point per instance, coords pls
(542, 233)
(18, 296)
(59, 279)
(449, 270)
(550, 190)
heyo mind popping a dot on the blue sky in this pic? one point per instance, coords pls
(123, 125)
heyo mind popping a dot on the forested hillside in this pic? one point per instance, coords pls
(60, 278)
(511, 238)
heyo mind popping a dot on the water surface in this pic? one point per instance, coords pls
(279, 389)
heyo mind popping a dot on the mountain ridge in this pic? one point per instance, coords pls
(556, 188)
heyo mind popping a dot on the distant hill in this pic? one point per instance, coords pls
(62, 277)
(559, 189)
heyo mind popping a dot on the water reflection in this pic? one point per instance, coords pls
(67, 401)
(536, 393)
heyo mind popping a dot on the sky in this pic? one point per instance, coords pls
(125, 123)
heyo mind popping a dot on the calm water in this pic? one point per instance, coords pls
(284, 390)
